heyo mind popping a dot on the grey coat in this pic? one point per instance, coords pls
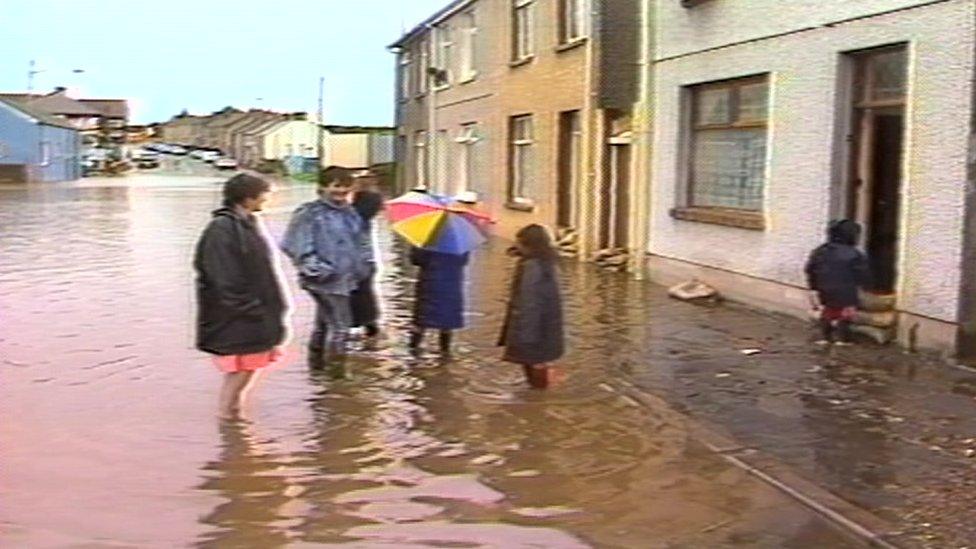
(533, 329)
(328, 246)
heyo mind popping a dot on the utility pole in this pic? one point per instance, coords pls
(321, 131)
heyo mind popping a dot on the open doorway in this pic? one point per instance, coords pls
(874, 195)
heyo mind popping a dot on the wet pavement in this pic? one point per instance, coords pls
(109, 437)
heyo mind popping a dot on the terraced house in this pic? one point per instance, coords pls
(528, 103)
(773, 117)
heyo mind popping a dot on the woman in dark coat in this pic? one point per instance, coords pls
(533, 331)
(365, 311)
(241, 305)
(439, 303)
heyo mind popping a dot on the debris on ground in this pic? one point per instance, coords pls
(693, 290)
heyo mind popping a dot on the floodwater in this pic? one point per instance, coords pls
(109, 438)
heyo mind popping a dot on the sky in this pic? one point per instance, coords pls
(168, 55)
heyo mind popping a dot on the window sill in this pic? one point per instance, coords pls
(442, 87)
(520, 206)
(739, 219)
(468, 78)
(520, 62)
(572, 44)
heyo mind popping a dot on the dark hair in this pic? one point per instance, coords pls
(243, 186)
(336, 174)
(536, 242)
(844, 231)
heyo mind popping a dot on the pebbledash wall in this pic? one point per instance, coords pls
(801, 46)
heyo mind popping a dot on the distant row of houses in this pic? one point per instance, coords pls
(714, 139)
(43, 136)
(256, 136)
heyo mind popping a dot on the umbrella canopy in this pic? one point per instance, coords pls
(438, 223)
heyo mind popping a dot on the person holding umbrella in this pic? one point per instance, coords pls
(442, 232)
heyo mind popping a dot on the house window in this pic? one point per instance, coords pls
(443, 56)
(406, 87)
(45, 153)
(522, 38)
(521, 161)
(442, 163)
(572, 20)
(468, 47)
(420, 161)
(728, 144)
(422, 67)
(467, 141)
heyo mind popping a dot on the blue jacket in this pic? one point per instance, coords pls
(440, 289)
(328, 246)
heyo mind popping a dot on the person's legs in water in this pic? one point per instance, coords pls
(372, 329)
(826, 331)
(416, 339)
(843, 330)
(332, 327)
(536, 375)
(320, 330)
(445, 342)
(232, 393)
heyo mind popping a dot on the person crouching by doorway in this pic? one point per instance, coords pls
(835, 271)
(367, 202)
(326, 243)
(532, 333)
(241, 302)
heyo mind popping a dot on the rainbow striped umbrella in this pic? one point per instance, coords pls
(438, 223)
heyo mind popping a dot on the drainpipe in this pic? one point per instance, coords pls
(640, 213)
(431, 108)
(966, 314)
(587, 212)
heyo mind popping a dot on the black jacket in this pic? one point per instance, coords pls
(240, 303)
(837, 269)
(533, 329)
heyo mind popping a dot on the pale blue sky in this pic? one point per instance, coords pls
(205, 54)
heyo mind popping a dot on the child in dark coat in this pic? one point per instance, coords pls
(533, 331)
(835, 271)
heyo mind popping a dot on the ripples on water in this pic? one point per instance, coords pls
(109, 434)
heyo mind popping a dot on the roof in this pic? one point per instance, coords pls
(357, 129)
(39, 116)
(442, 14)
(266, 127)
(109, 108)
(225, 119)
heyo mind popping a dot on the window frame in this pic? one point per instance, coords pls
(468, 138)
(406, 74)
(568, 32)
(420, 151)
(726, 215)
(517, 146)
(467, 48)
(443, 47)
(518, 55)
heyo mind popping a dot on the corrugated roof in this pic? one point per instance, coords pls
(40, 116)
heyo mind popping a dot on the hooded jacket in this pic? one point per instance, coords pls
(328, 246)
(837, 269)
(241, 306)
(532, 332)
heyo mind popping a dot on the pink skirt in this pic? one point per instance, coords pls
(246, 363)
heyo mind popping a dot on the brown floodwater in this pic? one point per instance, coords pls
(109, 438)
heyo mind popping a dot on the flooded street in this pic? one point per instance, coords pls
(109, 436)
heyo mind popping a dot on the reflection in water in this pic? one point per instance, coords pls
(393, 451)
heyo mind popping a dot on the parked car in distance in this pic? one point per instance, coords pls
(210, 156)
(146, 159)
(179, 151)
(225, 163)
